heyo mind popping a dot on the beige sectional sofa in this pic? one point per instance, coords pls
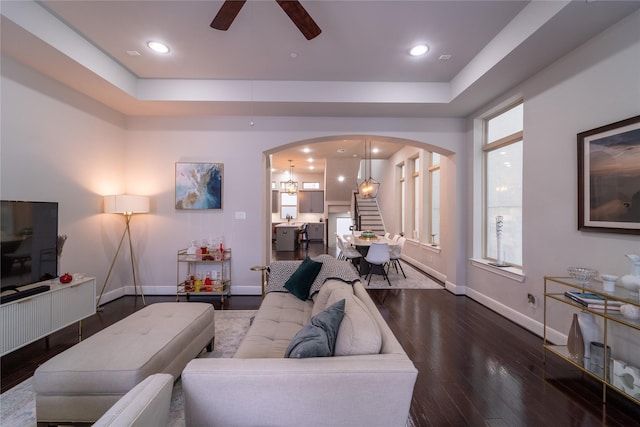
(145, 405)
(367, 382)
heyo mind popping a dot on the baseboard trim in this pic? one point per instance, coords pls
(516, 317)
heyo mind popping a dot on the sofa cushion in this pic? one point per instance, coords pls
(322, 297)
(333, 269)
(300, 281)
(318, 337)
(359, 333)
(280, 318)
(280, 271)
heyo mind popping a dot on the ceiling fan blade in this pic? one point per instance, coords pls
(301, 18)
(226, 14)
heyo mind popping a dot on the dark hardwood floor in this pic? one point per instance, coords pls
(476, 368)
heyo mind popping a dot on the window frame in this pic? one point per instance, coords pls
(432, 170)
(283, 215)
(401, 168)
(489, 147)
(416, 198)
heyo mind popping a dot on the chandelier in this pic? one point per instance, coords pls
(368, 189)
(291, 187)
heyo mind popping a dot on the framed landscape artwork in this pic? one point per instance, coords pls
(199, 185)
(609, 178)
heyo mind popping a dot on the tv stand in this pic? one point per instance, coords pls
(34, 317)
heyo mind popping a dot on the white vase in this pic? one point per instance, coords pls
(590, 331)
(631, 281)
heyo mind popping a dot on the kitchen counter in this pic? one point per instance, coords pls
(287, 236)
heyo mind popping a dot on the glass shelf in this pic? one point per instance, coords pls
(554, 290)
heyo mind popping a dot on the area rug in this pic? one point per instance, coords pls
(416, 279)
(18, 408)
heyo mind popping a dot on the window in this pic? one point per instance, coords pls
(434, 199)
(502, 156)
(402, 197)
(288, 205)
(310, 185)
(416, 197)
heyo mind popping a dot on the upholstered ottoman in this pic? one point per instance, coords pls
(82, 383)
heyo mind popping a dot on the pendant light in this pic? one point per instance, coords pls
(291, 187)
(368, 189)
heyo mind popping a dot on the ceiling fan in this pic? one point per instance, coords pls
(293, 9)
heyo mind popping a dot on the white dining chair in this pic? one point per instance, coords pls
(395, 253)
(347, 251)
(378, 256)
(339, 255)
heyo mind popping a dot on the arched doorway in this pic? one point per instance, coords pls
(338, 159)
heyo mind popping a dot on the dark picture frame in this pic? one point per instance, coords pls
(609, 178)
(199, 185)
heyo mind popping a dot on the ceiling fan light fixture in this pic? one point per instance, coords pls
(158, 47)
(419, 50)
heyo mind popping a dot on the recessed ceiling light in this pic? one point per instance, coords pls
(375, 150)
(311, 167)
(341, 178)
(158, 47)
(306, 150)
(419, 50)
(310, 160)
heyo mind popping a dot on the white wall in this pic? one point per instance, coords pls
(58, 145)
(62, 147)
(154, 144)
(597, 84)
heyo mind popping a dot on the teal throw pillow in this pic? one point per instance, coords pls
(318, 337)
(301, 280)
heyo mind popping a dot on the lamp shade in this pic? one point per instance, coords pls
(126, 204)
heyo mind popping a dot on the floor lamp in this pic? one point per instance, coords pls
(126, 205)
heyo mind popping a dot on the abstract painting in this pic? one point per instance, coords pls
(199, 185)
(609, 178)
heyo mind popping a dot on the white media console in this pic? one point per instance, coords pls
(33, 317)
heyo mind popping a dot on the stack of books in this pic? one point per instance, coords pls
(593, 301)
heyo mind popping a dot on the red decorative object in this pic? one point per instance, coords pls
(66, 278)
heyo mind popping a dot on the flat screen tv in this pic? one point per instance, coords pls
(29, 242)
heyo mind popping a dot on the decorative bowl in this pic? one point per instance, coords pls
(582, 274)
(368, 235)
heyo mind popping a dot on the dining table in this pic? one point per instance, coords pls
(362, 246)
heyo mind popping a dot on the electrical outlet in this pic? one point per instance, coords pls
(531, 299)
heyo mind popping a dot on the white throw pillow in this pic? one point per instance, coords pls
(359, 333)
(321, 298)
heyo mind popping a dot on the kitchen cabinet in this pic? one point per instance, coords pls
(311, 201)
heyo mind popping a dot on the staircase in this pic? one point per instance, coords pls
(369, 217)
